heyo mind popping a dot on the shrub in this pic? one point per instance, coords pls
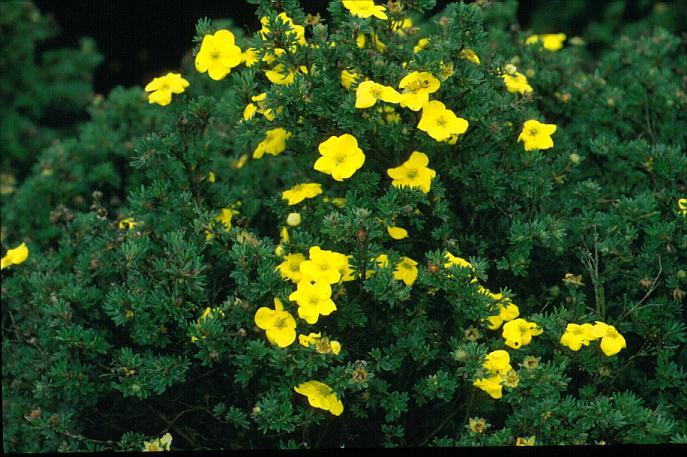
(432, 289)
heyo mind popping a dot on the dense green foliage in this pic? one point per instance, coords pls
(103, 341)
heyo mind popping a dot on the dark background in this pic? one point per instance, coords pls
(142, 39)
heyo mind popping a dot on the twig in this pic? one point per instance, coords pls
(652, 288)
(591, 262)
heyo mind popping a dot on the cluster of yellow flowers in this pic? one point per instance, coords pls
(576, 336)
(15, 256)
(439, 122)
(340, 158)
(313, 278)
(497, 364)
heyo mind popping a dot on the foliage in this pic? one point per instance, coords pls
(155, 237)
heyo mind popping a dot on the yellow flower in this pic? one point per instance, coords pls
(577, 335)
(402, 27)
(369, 92)
(240, 162)
(15, 256)
(506, 313)
(212, 177)
(491, 385)
(323, 265)
(459, 261)
(477, 424)
(314, 299)
(469, 54)
(365, 9)
(293, 219)
(574, 280)
(517, 82)
(341, 157)
(282, 76)
(218, 54)
(682, 207)
(274, 143)
(421, 44)
(249, 57)
(413, 173)
(439, 122)
(320, 395)
(279, 325)
(511, 379)
(249, 111)
(397, 233)
(406, 271)
(611, 340)
(551, 42)
(322, 345)
(445, 70)
(525, 441)
(347, 272)
(536, 135)
(163, 87)
(349, 78)
(290, 268)
(158, 444)
(416, 89)
(297, 30)
(209, 313)
(260, 102)
(300, 192)
(223, 217)
(127, 223)
(519, 332)
(497, 362)
(390, 115)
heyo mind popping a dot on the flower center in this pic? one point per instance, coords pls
(280, 323)
(313, 300)
(441, 121)
(533, 131)
(214, 55)
(340, 158)
(411, 173)
(323, 266)
(295, 267)
(376, 91)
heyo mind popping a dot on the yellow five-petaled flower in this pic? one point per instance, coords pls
(218, 55)
(320, 395)
(300, 192)
(440, 122)
(368, 92)
(279, 325)
(519, 332)
(163, 87)
(413, 173)
(536, 135)
(365, 9)
(341, 157)
(273, 144)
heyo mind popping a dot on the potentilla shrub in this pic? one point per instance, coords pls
(378, 231)
(44, 91)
